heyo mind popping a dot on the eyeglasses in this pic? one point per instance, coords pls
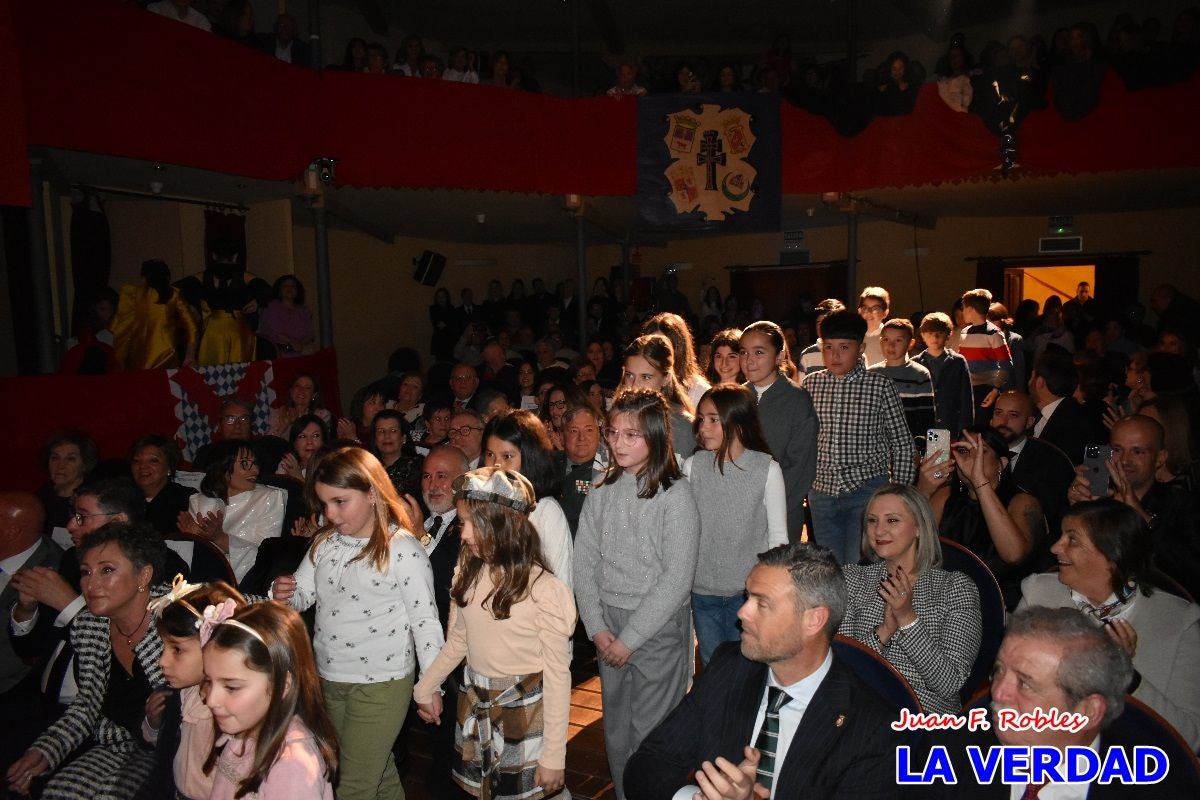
(79, 516)
(231, 419)
(247, 463)
(872, 309)
(557, 403)
(615, 436)
(465, 430)
(461, 377)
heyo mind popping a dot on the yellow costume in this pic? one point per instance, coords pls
(148, 334)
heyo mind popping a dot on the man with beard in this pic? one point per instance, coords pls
(1036, 466)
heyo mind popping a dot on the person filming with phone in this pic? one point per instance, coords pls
(1138, 450)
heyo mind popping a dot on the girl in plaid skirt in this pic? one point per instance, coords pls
(512, 620)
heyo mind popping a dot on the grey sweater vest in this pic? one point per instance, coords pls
(733, 520)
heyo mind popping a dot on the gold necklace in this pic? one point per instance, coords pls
(129, 636)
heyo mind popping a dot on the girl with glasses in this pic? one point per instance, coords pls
(634, 565)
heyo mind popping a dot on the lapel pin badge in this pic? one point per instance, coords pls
(841, 720)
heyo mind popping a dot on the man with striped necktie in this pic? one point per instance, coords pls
(780, 717)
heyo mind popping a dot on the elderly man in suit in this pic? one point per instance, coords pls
(21, 547)
(1054, 658)
(780, 716)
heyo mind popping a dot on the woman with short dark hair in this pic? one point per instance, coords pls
(67, 457)
(153, 460)
(286, 322)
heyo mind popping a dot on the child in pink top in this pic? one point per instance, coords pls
(276, 741)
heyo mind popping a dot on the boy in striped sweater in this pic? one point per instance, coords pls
(984, 347)
(913, 381)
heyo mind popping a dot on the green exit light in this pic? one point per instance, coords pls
(1060, 230)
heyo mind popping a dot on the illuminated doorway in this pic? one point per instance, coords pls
(1042, 282)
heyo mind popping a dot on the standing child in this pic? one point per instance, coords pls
(955, 407)
(371, 581)
(635, 561)
(739, 491)
(863, 442)
(261, 686)
(179, 722)
(984, 347)
(913, 382)
(512, 619)
(650, 364)
(785, 413)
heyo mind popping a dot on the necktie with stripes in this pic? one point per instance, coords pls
(768, 738)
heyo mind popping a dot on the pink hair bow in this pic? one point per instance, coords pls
(214, 616)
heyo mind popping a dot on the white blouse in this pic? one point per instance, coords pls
(250, 517)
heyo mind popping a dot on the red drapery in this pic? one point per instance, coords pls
(105, 77)
(115, 409)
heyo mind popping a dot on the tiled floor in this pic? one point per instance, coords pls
(587, 769)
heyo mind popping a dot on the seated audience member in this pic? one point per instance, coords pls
(490, 404)
(304, 398)
(181, 11)
(152, 321)
(953, 401)
(863, 440)
(913, 382)
(496, 373)
(1104, 570)
(364, 405)
(1076, 80)
(626, 85)
(462, 66)
(1036, 466)
(408, 57)
(1138, 450)
(434, 429)
(286, 322)
(583, 460)
(236, 22)
(309, 439)
(561, 396)
(1056, 660)
(153, 461)
(232, 510)
(287, 47)
(527, 385)
(976, 504)
(898, 86)
(235, 420)
(1064, 423)
(67, 458)
(728, 78)
(873, 306)
(464, 382)
(409, 396)
(354, 58)
(782, 711)
(117, 667)
(466, 433)
(1180, 466)
(22, 547)
(376, 59)
(431, 67)
(984, 347)
(924, 620)
(388, 444)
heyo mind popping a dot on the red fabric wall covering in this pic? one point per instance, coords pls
(115, 409)
(105, 77)
(14, 164)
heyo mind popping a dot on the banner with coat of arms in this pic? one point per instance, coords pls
(709, 162)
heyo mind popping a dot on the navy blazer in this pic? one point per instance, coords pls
(1071, 427)
(843, 748)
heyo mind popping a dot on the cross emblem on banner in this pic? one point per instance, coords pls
(712, 153)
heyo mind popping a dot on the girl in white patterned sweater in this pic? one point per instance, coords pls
(373, 588)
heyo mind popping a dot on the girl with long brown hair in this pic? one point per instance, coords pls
(743, 510)
(512, 620)
(686, 367)
(373, 587)
(650, 364)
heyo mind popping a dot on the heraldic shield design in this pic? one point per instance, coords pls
(709, 165)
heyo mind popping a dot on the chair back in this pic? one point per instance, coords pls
(205, 560)
(958, 558)
(877, 672)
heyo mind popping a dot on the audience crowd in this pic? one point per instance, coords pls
(503, 499)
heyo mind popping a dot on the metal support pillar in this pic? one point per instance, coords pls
(324, 291)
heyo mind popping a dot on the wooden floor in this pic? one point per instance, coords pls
(587, 768)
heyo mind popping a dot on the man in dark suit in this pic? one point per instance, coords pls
(284, 44)
(1036, 466)
(1064, 423)
(21, 547)
(816, 730)
(581, 472)
(1045, 651)
(441, 541)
